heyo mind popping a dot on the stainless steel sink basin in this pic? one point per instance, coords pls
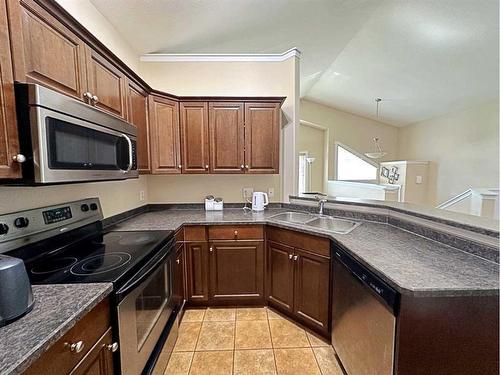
(341, 226)
(293, 217)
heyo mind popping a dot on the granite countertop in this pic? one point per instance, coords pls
(57, 309)
(410, 263)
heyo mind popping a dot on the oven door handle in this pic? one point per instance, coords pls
(144, 273)
(130, 153)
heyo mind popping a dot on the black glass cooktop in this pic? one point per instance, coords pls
(103, 258)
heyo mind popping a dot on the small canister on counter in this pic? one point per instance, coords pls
(209, 202)
(218, 204)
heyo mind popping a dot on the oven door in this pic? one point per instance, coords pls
(144, 311)
(68, 149)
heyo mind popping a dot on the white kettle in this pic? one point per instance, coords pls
(259, 201)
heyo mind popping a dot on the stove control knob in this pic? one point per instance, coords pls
(93, 206)
(84, 207)
(21, 222)
(4, 228)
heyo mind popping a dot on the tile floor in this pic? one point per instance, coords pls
(248, 341)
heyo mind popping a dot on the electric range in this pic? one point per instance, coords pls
(66, 244)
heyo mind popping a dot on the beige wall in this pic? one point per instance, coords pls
(462, 148)
(354, 131)
(115, 196)
(223, 79)
(312, 140)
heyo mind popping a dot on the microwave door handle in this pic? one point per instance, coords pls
(130, 154)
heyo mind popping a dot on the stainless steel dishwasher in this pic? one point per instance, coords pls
(363, 318)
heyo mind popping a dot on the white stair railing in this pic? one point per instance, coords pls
(456, 199)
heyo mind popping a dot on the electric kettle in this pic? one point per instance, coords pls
(259, 201)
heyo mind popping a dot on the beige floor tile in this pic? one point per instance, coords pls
(216, 336)
(188, 336)
(195, 315)
(220, 315)
(179, 363)
(251, 313)
(252, 335)
(285, 334)
(271, 315)
(316, 341)
(327, 361)
(298, 361)
(252, 362)
(212, 363)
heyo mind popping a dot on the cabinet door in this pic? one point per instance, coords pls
(9, 142)
(53, 55)
(311, 289)
(280, 275)
(262, 140)
(99, 360)
(236, 272)
(106, 83)
(137, 114)
(178, 289)
(194, 136)
(164, 135)
(197, 271)
(227, 138)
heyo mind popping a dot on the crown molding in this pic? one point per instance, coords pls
(197, 57)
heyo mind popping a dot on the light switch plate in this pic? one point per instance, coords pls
(270, 192)
(142, 195)
(418, 180)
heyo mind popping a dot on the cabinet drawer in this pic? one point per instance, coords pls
(314, 244)
(59, 359)
(195, 233)
(238, 232)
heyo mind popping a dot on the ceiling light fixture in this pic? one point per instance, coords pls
(379, 153)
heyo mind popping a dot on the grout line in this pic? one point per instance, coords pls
(272, 343)
(316, 360)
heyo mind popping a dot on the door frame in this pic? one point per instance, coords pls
(326, 143)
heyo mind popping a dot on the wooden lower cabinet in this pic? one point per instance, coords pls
(280, 275)
(236, 272)
(311, 289)
(99, 360)
(197, 272)
(94, 334)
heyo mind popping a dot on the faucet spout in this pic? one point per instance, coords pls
(321, 203)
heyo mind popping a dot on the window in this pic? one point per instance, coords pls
(351, 166)
(303, 172)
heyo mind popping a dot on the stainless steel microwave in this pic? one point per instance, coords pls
(63, 140)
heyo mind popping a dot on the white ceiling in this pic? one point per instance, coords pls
(424, 58)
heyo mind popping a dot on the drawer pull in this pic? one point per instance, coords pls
(236, 233)
(77, 347)
(112, 347)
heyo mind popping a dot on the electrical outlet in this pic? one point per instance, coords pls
(418, 180)
(247, 192)
(142, 195)
(270, 192)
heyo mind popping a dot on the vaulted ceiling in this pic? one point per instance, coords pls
(423, 58)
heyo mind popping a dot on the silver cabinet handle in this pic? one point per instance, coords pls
(19, 158)
(295, 257)
(178, 261)
(211, 249)
(290, 256)
(242, 166)
(206, 167)
(246, 166)
(87, 95)
(77, 347)
(95, 99)
(179, 166)
(112, 347)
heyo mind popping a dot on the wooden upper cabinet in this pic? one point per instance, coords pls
(194, 135)
(262, 129)
(165, 138)
(227, 138)
(53, 55)
(9, 142)
(106, 83)
(137, 114)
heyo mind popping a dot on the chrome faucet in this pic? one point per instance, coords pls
(321, 204)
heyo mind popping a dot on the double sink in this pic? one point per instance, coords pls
(329, 223)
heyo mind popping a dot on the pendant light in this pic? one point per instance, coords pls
(379, 153)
